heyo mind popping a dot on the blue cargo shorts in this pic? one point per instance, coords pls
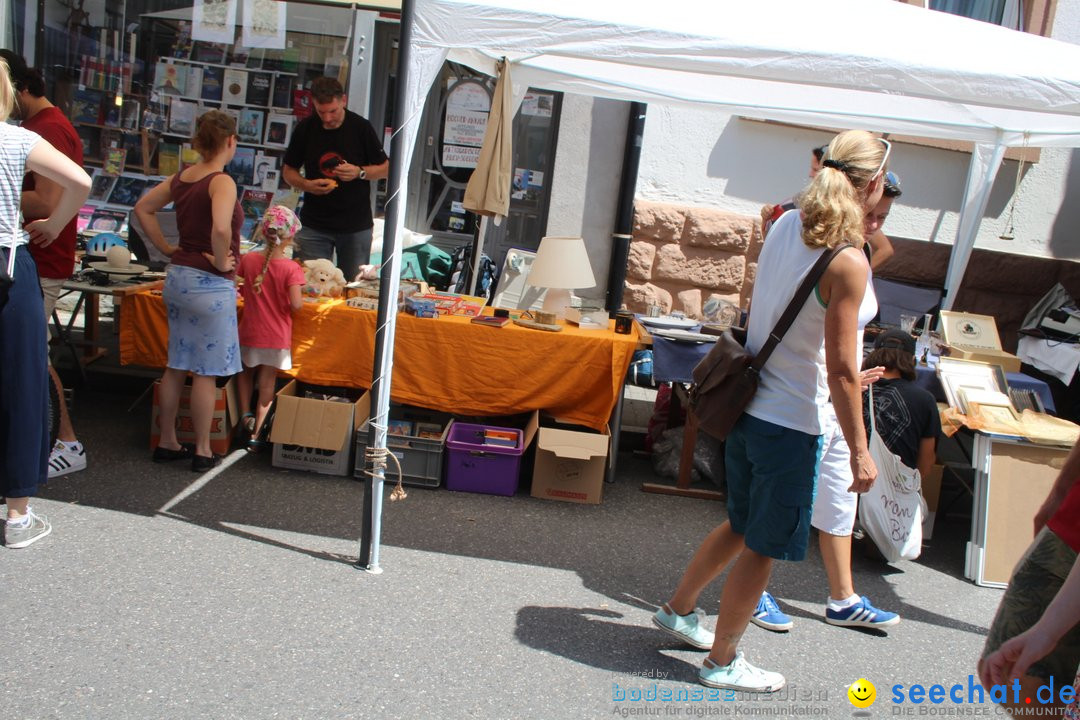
(771, 476)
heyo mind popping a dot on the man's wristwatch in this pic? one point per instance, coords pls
(363, 174)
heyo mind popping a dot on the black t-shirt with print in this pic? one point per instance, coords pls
(347, 208)
(905, 414)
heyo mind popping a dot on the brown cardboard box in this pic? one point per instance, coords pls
(975, 337)
(315, 435)
(570, 463)
(221, 424)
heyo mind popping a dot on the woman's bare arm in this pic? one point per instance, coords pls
(50, 163)
(842, 288)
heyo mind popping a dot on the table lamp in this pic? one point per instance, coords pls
(561, 264)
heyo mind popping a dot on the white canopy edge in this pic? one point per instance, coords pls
(929, 73)
(878, 65)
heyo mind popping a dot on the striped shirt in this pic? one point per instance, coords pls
(15, 145)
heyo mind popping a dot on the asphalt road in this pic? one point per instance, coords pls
(165, 594)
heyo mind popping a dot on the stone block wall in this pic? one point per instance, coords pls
(682, 255)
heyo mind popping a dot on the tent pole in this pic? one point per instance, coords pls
(985, 161)
(624, 214)
(386, 322)
(477, 249)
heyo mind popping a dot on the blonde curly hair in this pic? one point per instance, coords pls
(833, 203)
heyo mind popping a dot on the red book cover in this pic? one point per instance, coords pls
(301, 104)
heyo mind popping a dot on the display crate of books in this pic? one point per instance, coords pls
(417, 438)
(483, 459)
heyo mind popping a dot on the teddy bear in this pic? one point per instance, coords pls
(322, 278)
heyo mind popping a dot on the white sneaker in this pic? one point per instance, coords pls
(739, 675)
(64, 459)
(22, 535)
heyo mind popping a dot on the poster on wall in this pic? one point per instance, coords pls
(467, 108)
(538, 104)
(527, 184)
(460, 156)
(264, 24)
(213, 21)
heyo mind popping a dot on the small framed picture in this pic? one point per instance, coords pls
(278, 130)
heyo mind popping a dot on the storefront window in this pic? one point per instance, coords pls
(133, 77)
(453, 128)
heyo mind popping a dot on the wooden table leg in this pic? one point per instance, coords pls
(686, 465)
(91, 329)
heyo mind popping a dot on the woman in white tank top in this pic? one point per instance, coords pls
(773, 451)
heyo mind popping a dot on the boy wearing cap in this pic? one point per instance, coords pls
(906, 415)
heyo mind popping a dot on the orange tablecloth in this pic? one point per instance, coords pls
(446, 364)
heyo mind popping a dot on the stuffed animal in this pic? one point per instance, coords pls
(322, 278)
(367, 272)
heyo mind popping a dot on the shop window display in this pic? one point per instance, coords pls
(133, 77)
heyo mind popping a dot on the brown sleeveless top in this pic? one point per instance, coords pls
(194, 221)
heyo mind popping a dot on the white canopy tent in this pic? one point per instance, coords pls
(870, 64)
(877, 65)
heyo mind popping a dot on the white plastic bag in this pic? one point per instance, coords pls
(892, 511)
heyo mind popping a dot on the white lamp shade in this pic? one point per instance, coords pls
(562, 262)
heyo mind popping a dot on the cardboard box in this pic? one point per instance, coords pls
(221, 424)
(975, 337)
(571, 462)
(315, 435)
(931, 492)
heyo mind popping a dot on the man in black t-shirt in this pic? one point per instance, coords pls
(340, 154)
(905, 414)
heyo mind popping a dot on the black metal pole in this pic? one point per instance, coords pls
(388, 283)
(624, 215)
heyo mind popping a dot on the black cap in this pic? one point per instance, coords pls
(897, 339)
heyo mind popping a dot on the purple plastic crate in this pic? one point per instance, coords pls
(472, 466)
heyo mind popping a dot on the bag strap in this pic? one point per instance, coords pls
(873, 426)
(796, 304)
(10, 272)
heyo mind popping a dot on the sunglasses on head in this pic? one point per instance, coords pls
(885, 159)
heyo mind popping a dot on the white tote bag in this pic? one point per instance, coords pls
(892, 511)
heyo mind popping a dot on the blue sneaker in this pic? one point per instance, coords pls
(685, 627)
(767, 614)
(861, 614)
